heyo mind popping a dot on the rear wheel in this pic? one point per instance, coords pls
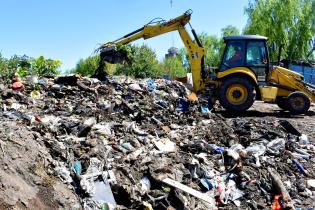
(298, 103)
(282, 103)
(237, 94)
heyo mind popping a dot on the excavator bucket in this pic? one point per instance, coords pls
(110, 54)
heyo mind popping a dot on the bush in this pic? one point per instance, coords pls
(45, 67)
(87, 66)
(24, 65)
(16, 64)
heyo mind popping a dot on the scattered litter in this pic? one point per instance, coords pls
(145, 184)
(165, 145)
(103, 129)
(276, 146)
(104, 195)
(304, 139)
(114, 142)
(191, 191)
(276, 179)
(77, 167)
(63, 173)
(310, 183)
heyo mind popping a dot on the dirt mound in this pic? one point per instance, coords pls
(25, 182)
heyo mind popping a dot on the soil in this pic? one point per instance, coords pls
(24, 182)
(269, 111)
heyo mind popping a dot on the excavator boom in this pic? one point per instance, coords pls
(154, 28)
(109, 51)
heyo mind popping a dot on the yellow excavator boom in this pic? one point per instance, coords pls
(194, 47)
(289, 81)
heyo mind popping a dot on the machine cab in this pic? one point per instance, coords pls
(248, 51)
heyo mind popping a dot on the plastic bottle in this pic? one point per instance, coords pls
(276, 145)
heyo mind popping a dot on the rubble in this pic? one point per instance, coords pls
(151, 144)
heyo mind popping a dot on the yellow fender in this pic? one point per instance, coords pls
(238, 70)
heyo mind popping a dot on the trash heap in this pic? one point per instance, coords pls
(149, 144)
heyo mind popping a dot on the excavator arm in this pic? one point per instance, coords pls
(109, 52)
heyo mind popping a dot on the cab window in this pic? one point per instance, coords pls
(234, 55)
(256, 54)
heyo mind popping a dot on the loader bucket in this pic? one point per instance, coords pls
(110, 54)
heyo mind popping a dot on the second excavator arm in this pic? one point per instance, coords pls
(194, 48)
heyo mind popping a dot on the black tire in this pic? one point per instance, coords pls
(243, 105)
(298, 103)
(282, 103)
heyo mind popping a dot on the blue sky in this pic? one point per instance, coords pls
(71, 29)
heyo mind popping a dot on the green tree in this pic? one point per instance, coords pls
(143, 63)
(45, 67)
(87, 66)
(290, 23)
(22, 65)
(16, 64)
(230, 31)
(173, 67)
(4, 70)
(214, 45)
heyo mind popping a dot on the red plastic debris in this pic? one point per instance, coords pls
(276, 205)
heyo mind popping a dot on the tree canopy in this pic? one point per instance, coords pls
(214, 45)
(144, 63)
(173, 67)
(290, 23)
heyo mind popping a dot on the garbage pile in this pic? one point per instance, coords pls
(151, 144)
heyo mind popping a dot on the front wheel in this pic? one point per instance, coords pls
(298, 103)
(237, 94)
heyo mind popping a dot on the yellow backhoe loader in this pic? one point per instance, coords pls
(245, 73)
